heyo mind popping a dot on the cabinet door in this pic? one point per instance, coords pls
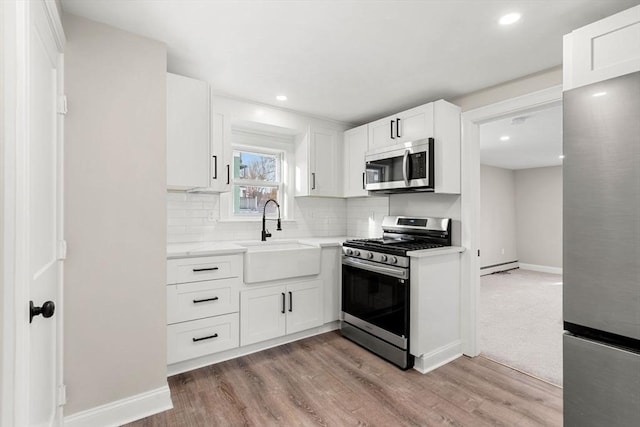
(304, 306)
(221, 152)
(603, 50)
(416, 123)
(327, 167)
(262, 314)
(355, 146)
(382, 132)
(187, 132)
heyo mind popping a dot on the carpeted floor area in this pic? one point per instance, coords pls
(521, 322)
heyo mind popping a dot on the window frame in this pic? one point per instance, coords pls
(279, 183)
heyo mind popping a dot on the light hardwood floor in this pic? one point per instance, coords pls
(327, 380)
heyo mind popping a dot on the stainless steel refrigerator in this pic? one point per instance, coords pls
(601, 221)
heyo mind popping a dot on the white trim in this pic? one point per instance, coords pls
(470, 200)
(439, 357)
(124, 410)
(200, 362)
(541, 268)
(55, 23)
(498, 268)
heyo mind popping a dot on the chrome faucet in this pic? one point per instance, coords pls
(265, 232)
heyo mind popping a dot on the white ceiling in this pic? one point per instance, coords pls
(352, 61)
(535, 140)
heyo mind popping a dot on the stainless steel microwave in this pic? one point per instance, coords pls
(401, 168)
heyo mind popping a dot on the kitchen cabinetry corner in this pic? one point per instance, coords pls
(319, 163)
(355, 145)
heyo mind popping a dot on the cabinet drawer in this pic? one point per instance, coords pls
(190, 301)
(187, 270)
(188, 340)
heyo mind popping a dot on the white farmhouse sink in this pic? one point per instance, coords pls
(273, 260)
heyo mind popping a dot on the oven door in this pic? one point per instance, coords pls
(404, 167)
(375, 298)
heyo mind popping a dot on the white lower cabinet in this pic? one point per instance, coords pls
(188, 340)
(202, 305)
(273, 311)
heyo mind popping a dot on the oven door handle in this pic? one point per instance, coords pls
(400, 273)
(405, 167)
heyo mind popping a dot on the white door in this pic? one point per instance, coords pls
(262, 314)
(416, 123)
(38, 215)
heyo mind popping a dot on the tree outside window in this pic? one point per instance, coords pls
(256, 179)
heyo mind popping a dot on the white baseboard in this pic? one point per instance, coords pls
(497, 268)
(199, 362)
(541, 268)
(439, 357)
(124, 410)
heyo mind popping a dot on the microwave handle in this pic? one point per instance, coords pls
(405, 167)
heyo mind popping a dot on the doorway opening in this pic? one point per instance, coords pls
(521, 240)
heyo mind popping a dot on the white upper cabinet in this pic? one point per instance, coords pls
(221, 151)
(319, 164)
(198, 138)
(409, 125)
(187, 133)
(354, 148)
(603, 50)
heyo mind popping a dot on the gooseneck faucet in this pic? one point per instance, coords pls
(265, 232)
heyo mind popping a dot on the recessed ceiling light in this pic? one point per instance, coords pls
(599, 94)
(281, 97)
(561, 156)
(504, 138)
(509, 18)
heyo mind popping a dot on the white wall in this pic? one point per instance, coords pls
(539, 216)
(497, 216)
(115, 215)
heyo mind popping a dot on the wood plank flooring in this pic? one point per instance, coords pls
(327, 380)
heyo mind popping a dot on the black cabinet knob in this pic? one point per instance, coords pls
(47, 310)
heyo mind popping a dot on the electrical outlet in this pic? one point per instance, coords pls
(502, 251)
(211, 217)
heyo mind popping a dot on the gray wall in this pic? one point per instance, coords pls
(115, 215)
(497, 216)
(539, 216)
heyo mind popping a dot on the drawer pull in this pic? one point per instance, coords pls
(196, 301)
(205, 338)
(196, 270)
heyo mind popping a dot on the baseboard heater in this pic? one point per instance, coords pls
(490, 269)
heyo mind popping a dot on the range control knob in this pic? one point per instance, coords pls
(369, 255)
(383, 258)
(356, 253)
(394, 260)
(349, 251)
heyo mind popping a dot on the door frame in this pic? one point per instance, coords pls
(470, 203)
(14, 87)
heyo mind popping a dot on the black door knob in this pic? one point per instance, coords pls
(47, 310)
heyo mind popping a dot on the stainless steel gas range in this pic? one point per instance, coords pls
(375, 284)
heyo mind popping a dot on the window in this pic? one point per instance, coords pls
(257, 177)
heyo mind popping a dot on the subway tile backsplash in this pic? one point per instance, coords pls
(195, 217)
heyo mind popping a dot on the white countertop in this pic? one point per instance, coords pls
(436, 252)
(197, 249)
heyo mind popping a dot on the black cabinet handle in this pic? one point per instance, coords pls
(196, 301)
(47, 310)
(205, 338)
(215, 167)
(392, 135)
(398, 128)
(290, 302)
(228, 174)
(283, 303)
(363, 173)
(196, 270)
(313, 180)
